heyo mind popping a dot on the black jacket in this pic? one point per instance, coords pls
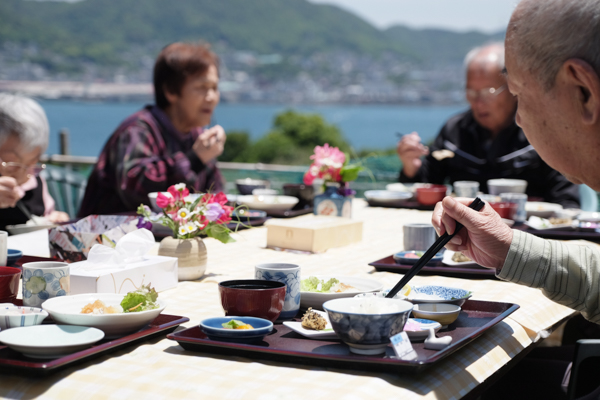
(477, 158)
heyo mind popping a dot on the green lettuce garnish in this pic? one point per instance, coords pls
(233, 324)
(142, 299)
(312, 285)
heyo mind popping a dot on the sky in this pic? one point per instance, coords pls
(487, 16)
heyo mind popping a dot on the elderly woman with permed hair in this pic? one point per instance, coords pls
(24, 135)
(166, 143)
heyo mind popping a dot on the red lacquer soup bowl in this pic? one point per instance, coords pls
(9, 284)
(253, 298)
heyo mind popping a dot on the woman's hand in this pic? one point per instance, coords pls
(210, 143)
(57, 216)
(485, 238)
(8, 192)
(410, 149)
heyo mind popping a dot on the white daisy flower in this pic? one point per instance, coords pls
(183, 213)
(190, 227)
(183, 230)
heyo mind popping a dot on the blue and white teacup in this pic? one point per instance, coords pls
(44, 280)
(520, 199)
(288, 274)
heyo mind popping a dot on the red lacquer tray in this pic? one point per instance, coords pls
(561, 233)
(472, 272)
(285, 345)
(14, 362)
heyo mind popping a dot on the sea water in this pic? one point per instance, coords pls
(364, 126)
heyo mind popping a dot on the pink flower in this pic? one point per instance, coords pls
(178, 191)
(311, 174)
(164, 201)
(328, 156)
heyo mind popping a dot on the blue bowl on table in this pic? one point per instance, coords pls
(213, 328)
(13, 256)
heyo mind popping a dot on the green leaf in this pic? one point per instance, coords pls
(350, 172)
(145, 295)
(219, 232)
(233, 324)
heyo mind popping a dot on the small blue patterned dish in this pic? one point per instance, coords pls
(16, 316)
(412, 256)
(213, 328)
(438, 294)
(13, 256)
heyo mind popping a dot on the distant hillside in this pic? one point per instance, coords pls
(100, 31)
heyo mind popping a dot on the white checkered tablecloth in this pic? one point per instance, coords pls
(160, 368)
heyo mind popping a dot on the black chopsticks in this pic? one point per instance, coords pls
(476, 205)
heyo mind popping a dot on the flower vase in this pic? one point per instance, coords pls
(190, 253)
(335, 201)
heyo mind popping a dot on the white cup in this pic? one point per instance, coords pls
(3, 247)
(44, 280)
(418, 236)
(520, 199)
(466, 189)
(288, 274)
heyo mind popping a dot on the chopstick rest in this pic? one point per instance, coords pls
(435, 343)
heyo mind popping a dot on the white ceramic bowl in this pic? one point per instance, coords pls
(387, 196)
(445, 314)
(67, 310)
(268, 202)
(498, 186)
(16, 316)
(361, 285)
(589, 216)
(50, 341)
(541, 209)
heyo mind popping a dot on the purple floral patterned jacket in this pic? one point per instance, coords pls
(145, 154)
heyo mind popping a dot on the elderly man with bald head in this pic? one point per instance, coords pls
(484, 142)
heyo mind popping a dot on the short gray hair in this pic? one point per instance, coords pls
(545, 34)
(496, 48)
(24, 118)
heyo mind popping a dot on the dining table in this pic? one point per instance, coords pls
(160, 367)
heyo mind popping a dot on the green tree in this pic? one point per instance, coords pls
(293, 139)
(237, 147)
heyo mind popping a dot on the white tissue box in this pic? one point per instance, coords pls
(159, 271)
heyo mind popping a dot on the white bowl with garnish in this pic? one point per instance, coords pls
(67, 310)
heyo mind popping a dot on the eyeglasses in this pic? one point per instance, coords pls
(486, 94)
(15, 169)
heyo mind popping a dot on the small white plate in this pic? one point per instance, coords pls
(268, 202)
(361, 285)
(589, 216)
(541, 209)
(327, 333)
(542, 224)
(387, 196)
(448, 260)
(50, 341)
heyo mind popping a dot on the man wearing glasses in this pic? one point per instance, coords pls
(23, 138)
(484, 142)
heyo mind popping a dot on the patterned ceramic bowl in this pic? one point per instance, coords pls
(16, 316)
(438, 294)
(366, 324)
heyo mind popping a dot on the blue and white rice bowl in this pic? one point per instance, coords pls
(366, 324)
(12, 316)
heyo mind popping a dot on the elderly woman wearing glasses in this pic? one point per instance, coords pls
(23, 138)
(484, 142)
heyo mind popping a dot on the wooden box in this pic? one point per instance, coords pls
(313, 233)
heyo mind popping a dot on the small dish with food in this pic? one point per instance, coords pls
(456, 258)
(417, 329)
(18, 316)
(115, 314)
(410, 257)
(316, 290)
(236, 329)
(438, 294)
(314, 324)
(542, 209)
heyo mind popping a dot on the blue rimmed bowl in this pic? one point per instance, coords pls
(366, 324)
(410, 257)
(213, 328)
(13, 256)
(438, 294)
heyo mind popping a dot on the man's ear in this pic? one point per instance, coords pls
(585, 85)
